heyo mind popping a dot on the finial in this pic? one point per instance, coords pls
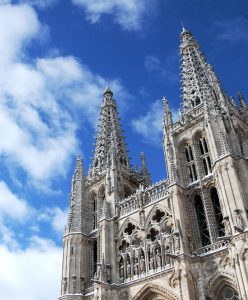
(183, 28)
(242, 101)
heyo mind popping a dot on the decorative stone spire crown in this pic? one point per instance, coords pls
(76, 219)
(109, 135)
(199, 82)
(145, 174)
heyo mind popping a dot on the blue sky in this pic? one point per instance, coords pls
(56, 57)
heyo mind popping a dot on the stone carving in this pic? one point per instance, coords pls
(174, 280)
(227, 225)
(211, 267)
(74, 285)
(191, 244)
(136, 267)
(238, 220)
(158, 259)
(177, 241)
(121, 271)
(128, 269)
(82, 284)
(142, 265)
(152, 263)
(225, 263)
(64, 285)
(123, 295)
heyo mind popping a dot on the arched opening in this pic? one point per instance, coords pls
(190, 162)
(202, 221)
(217, 211)
(205, 155)
(154, 292)
(223, 288)
(127, 191)
(94, 256)
(93, 211)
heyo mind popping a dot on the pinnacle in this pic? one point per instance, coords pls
(108, 91)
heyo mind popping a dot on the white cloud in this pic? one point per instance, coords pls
(163, 69)
(129, 14)
(32, 273)
(54, 216)
(232, 30)
(152, 63)
(150, 125)
(40, 101)
(11, 206)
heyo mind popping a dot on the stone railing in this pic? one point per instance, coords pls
(211, 248)
(143, 197)
(156, 192)
(89, 290)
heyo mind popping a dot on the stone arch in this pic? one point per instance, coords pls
(123, 226)
(153, 211)
(218, 282)
(101, 191)
(92, 210)
(154, 292)
(197, 133)
(127, 191)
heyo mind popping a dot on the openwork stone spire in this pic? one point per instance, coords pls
(199, 82)
(76, 218)
(145, 174)
(109, 137)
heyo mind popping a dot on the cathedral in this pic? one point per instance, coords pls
(183, 238)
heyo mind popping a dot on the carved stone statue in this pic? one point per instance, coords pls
(190, 243)
(158, 259)
(166, 251)
(82, 284)
(121, 270)
(177, 241)
(152, 263)
(227, 225)
(74, 285)
(64, 285)
(238, 220)
(142, 265)
(136, 267)
(128, 269)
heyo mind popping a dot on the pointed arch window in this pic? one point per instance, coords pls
(94, 213)
(217, 211)
(205, 155)
(190, 162)
(202, 221)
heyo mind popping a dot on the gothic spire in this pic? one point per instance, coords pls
(76, 219)
(167, 113)
(242, 102)
(145, 174)
(199, 82)
(109, 137)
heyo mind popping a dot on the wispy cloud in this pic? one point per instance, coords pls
(232, 30)
(149, 126)
(129, 14)
(163, 69)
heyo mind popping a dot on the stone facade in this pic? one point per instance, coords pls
(182, 238)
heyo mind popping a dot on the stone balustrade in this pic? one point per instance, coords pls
(143, 197)
(212, 248)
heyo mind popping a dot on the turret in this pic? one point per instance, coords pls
(145, 174)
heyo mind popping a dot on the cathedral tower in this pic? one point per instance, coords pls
(183, 238)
